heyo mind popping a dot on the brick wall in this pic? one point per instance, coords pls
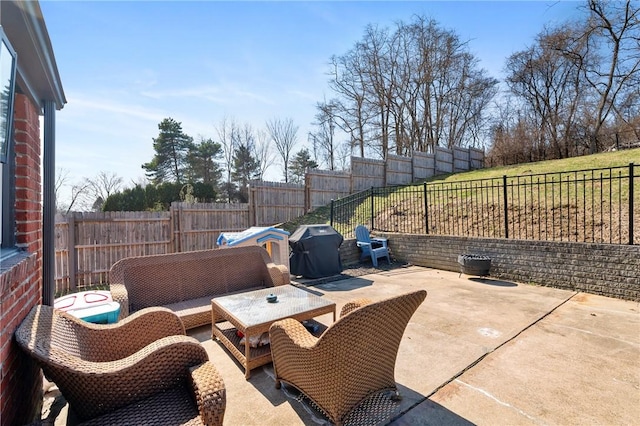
(28, 186)
(21, 275)
(604, 269)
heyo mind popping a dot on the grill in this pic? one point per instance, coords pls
(315, 251)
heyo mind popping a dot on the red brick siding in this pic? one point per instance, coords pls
(21, 281)
(28, 186)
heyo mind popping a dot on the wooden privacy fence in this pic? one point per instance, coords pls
(322, 186)
(87, 244)
(196, 226)
(275, 202)
(398, 170)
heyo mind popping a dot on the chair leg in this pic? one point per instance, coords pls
(278, 384)
(374, 260)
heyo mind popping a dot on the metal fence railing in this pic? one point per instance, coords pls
(596, 205)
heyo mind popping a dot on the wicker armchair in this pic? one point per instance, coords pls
(353, 359)
(126, 373)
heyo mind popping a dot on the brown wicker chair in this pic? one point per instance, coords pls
(140, 370)
(353, 359)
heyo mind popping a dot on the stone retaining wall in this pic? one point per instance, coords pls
(349, 252)
(603, 269)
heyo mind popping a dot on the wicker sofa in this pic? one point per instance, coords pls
(185, 282)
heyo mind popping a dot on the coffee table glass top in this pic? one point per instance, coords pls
(252, 308)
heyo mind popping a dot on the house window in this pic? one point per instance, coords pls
(7, 190)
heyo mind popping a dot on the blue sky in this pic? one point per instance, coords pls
(127, 65)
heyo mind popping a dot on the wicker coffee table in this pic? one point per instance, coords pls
(252, 315)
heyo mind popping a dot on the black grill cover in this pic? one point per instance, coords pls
(315, 251)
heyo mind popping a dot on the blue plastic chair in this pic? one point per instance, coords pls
(371, 247)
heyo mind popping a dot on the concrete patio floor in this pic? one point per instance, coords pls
(477, 351)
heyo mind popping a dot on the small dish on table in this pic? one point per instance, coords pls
(272, 298)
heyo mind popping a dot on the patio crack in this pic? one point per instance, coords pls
(483, 356)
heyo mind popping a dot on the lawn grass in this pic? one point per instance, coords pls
(596, 161)
(319, 216)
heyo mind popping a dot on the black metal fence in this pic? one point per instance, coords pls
(595, 205)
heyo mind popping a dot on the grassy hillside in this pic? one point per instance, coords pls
(596, 161)
(315, 217)
(602, 160)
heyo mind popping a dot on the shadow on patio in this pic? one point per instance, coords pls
(477, 351)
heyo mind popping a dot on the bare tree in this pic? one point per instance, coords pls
(447, 93)
(78, 198)
(511, 134)
(227, 132)
(608, 55)
(415, 87)
(619, 25)
(102, 186)
(78, 194)
(141, 181)
(323, 138)
(348, 81)
(284, 135)
(262, 152)
(550, 86)
(578, 84)
(344, 156)
(62, 176)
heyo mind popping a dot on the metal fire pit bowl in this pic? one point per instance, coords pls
(474, 264)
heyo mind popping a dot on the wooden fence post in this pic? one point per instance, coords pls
(307, 192)
(172, 237)
(177, 234)
(351, 191)
(253, 208)
(71, 251)
(413, 167)
(384, 166)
